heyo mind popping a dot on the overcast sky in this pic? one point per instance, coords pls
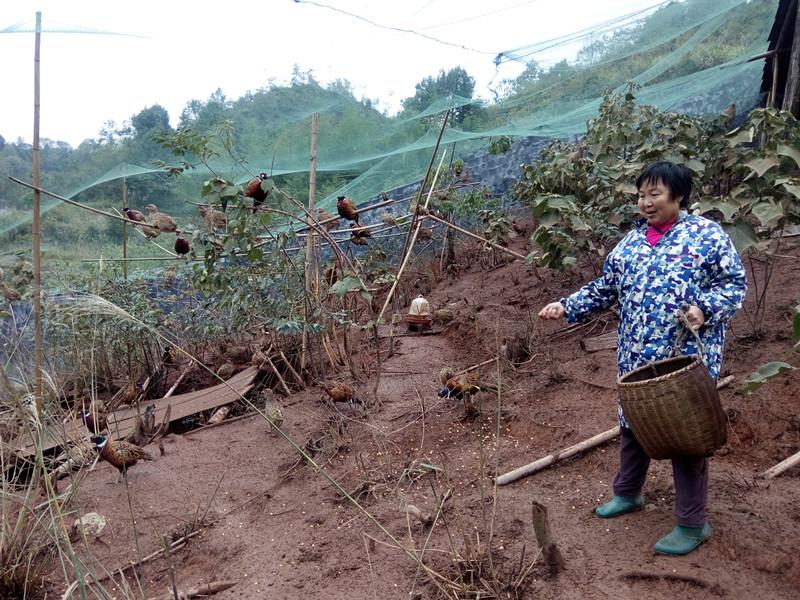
(176, 51)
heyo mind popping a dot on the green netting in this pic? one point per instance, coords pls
(687, 56)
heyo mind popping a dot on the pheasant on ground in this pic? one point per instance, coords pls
(122, 455)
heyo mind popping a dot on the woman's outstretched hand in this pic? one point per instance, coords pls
(554, 310)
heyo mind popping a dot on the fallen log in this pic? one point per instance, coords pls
(551, 459)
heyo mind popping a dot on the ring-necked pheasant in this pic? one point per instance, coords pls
(122, 455)
(256, 191)
(347, 209)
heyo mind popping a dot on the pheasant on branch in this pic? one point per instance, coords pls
(138, 216)
(161, 221)
(181, 245)
(347, 209)
(214, 219)
(255, 190)
(361, 236)
(323, 215)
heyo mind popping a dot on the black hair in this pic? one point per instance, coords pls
(677, 178)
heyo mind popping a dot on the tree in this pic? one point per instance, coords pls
(154, 117)
(455, 82)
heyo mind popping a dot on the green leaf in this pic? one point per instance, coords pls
(738, 136)
(229, 191)
(792, 153)
(347, 284)
(764, 373)
(728, 209)
(254, 254)
(762, 165)
(743, 236)
(793, 189)
(696, 165)
(767, 212)
(797, 322)
(366, 296)
(568, 261)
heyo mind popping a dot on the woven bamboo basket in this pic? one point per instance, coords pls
(673, 407)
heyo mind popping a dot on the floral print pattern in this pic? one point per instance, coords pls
(694, 263)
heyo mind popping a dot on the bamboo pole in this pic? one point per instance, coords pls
(308, 270)
(421, 190)
(782, 466)
(124, 231)
(37, 241)
(410, 246)
(551, 459)
(476, 236)
(37, 188)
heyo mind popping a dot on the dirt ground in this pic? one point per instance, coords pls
(279, 529)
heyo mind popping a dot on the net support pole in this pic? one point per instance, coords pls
(37, 242)
(124, 231)
(308, 271)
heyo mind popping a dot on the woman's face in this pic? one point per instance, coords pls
(657, 204)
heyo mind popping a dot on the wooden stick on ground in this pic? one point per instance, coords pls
(294, 373)
(541, 527)
(782, 466)
(205, 589)
(280, 378)
(551, 459)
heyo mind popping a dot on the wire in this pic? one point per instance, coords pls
(513, 54)
(389, 27)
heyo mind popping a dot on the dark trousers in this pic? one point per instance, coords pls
(690, 476)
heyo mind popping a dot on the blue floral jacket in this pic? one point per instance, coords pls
(694, 263)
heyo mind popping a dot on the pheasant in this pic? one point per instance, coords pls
(256, 191)
(361, 236)
(214, 219)
(273, 409)
(181, 245)
(95, 420)
(225, 371)
(346, 208)
(122, 455)
(161, 221)
(459, 385)
(138, 216)
(339, 391)
(326, 219)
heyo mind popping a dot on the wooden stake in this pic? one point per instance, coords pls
(124, 231)
(421, 191)
(308, 271)
(551, 459)
(541, 527)
(37, 241)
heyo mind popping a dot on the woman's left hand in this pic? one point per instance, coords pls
(695, 317)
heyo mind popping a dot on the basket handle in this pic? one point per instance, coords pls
(684, 320)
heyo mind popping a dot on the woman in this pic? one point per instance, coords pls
(669, 261)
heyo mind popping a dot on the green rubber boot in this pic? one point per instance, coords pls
(683, 540)
(619, 505)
